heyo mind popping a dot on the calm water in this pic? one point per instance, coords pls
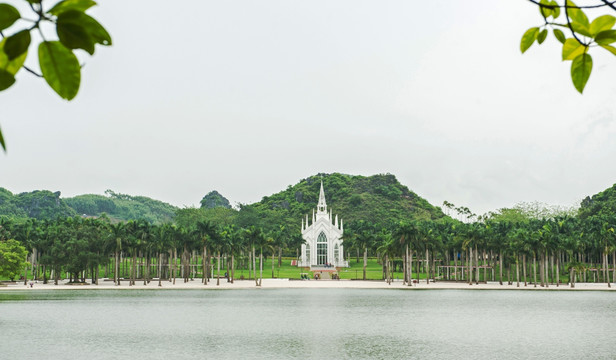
(307, 323)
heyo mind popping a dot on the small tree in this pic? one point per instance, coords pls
(12, 258)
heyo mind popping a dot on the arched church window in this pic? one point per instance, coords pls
(322, 238)
(308, 253)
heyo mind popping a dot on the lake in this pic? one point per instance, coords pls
(306, 323)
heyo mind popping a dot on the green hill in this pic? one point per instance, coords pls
(603, 203)
(123, 207)
(38, 204)
(379, 199)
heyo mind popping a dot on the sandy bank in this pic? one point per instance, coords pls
(285, 283)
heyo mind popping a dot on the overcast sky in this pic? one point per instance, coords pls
(248, 97)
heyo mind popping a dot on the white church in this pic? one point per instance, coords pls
(323, 238)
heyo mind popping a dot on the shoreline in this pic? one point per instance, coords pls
(302, 284)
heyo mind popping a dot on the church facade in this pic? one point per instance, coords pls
(323, 238)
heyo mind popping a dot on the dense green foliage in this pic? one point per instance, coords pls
(214, 199)
(380, 199)
(603, 203)
(123, 207)
(12, 258)
(38, 204)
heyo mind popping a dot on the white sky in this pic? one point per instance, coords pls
(248, 97)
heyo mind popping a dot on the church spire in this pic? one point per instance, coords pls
(322, 206)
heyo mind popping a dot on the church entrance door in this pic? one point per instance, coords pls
(321, 249)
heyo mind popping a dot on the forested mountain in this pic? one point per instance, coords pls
(38, 204)
(123, 207)
(603, 203)
(214, 199)
(379, 199)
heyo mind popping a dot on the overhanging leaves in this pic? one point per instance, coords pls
(606, 37)
(571, 49)
(8, 16)
(60, 68)
(529, 38)
(12, 66)
(577, 15)
(77, 30)
(580, 71)
(17, 44)
(609, 48)
(6, 79)
(66, 5)
(602, 23)
(560, 36)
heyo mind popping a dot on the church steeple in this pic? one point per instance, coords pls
(322, 206)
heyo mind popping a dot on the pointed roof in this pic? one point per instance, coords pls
(322, 206)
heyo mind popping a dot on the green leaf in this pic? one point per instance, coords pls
(66, 5)
(545, 11)
(96, 31)
(577, 14)
(560, 36)
(542, 35)
(8, 16)
(580, 28)
(77, 30)
(60, 68)
(529, 38)
(606, 37)
(609, 48)
(2, 141)
(6, 79)
(602, 23)
(555, 9)
(12, 66)
(580, 71)
(17, 44)
(74, 36)
(572, 48)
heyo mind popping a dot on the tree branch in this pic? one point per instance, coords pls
(565, 6)
(570, 28)
(610, 4)
(32, 71)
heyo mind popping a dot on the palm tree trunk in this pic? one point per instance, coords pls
(204, 265)
(410, 267)
(365, 260)
(427, 268)
(272, 264)
(232, 267)
(261, 266)
(477, 265)
(500, 260)
(116, 274)
(249, 264)
(160, 268)
(535, 269)
(218, 267)
(517, 269)
(470, 265)
(524, 268)
(175, 263)
(558, 269)
(254, 265)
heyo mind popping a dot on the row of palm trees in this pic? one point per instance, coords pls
(133, 250)
(540, 252)
(536, 251)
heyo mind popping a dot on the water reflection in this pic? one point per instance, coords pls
(306, 323)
